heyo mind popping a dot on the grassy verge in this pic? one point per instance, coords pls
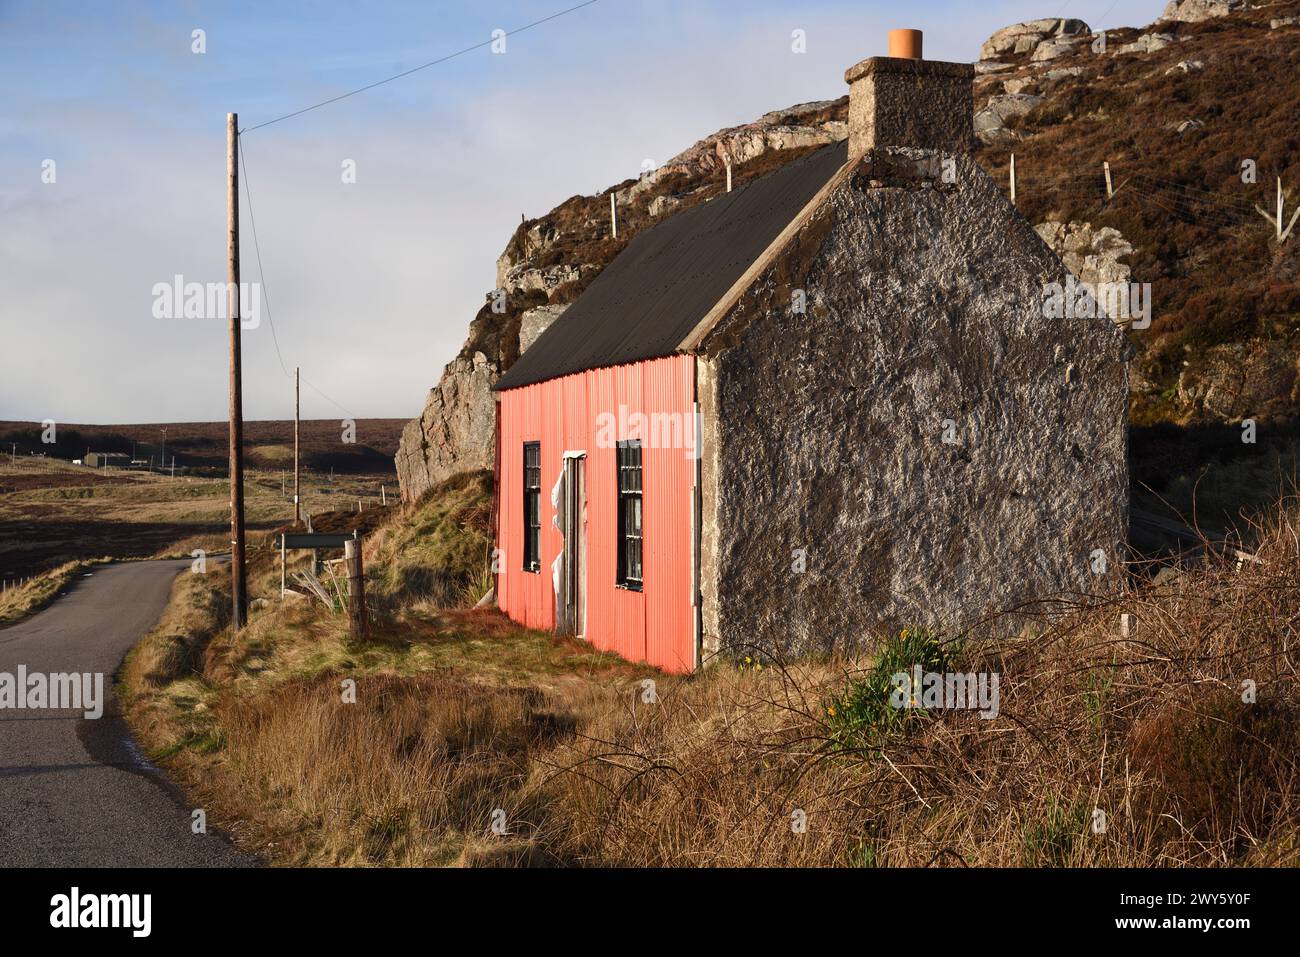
(453, 736)
(35, 593)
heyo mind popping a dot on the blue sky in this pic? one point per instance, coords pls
(371, 284)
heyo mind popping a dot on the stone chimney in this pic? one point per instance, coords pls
(903, 100)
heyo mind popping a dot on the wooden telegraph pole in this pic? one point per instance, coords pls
(238, 573)
(297, 514)
(356, 587)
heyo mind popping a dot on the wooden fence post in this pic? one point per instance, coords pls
(356, 587)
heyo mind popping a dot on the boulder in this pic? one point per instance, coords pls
(1054, 48)
(534, 322)
(661, 204)
(1013, 104)
(990, 122)
(1148, 43)
(536, 240)
(1062, 72)
(1194, 11)
(524, 278)
(1026, 37)
(1186, 66)
(1093, 255)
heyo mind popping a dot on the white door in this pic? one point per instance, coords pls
(574, 573)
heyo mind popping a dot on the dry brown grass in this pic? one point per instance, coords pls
(1152, 731)
(460, 714)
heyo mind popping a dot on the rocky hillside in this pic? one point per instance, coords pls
(1176, 108)
(550, 260)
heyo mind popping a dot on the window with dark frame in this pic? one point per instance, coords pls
(629, 515)
(532, 506)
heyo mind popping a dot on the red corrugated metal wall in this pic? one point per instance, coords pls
(657, 624)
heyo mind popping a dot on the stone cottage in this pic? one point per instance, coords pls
(826, 404)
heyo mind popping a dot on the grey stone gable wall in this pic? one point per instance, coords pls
(823, 432)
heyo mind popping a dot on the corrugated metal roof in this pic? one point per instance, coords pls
(653, 294)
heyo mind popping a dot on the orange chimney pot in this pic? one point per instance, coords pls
(905, 44)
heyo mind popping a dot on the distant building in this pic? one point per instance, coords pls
(99, 460)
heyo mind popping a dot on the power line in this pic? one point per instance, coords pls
(307, 382)
(252, 220)
(248, 187)
(416, 69)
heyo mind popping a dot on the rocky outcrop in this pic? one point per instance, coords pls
(455, 432)
(662, 204)
(522, 277)
(1062, 73)
(804, 125)
(1148, 43)
(1093, 255)
(1194, 11)
(1055, 48)
(535, 241)
(549, 260)
(990, 122)
(534, 322)
(1027, 37)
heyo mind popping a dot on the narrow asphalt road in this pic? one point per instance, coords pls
(77, 792)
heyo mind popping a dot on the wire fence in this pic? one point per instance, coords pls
(1179, 199)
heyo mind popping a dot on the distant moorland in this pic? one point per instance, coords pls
(203, 445)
